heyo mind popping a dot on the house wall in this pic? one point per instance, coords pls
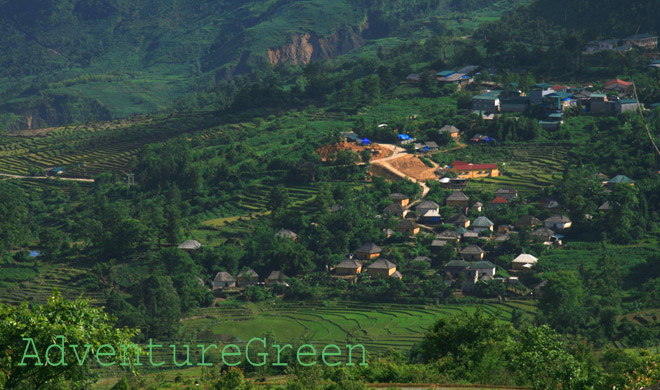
(366, 256)
(348, 271)
(380, 273)
(481, 229)
(470, 174)
(217, 285)
(460, 203)
(473, 257)
(246, 282)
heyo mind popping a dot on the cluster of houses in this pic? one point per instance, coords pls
(553, 100)
(643, 41)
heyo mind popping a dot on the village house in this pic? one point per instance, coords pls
(528, 221)
(368, 251)
(431, 146)
(190, 245)
(543, 234)
(558, 222)
(467, 170)
(348, 267)
(425, 206)
(457, 198)
(436, 245)
(643, 41)
(515, 104)
(484, 268)
(619, 86)
(486, 103)
(430, 216)
(469, 234)
(625, 105)
(451, 183)
(286, 233)
(381, 268)
(247, 278)
(598, 104)
(401, 199)
(472, 253)
(620, 179)
(396, 210)
(449, 235)
(451, 130)
(499, 202)
(482, 224)
(477, 207)
(456, 267)
(459, 220)
(523, 262)
(538, 91)
(223, 280)
(508, 193)
(388, 232)
(407, 226)
(277, 277)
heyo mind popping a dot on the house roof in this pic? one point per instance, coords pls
(457, 195)
(445, 73)
(396, 275)
(472, 250)
(407, 225)
(465, 166)
(478, 204)
(485, 97)
(482, 265)
(461, 230)
(248, 273)
(528, 220)
(605, 206)
(438, 243)
(543, 232)
(448, 234)
(482, 222)
(349, 263)
(394, 208)
(449, 129)
(525, 259)
(190, 244)
(620, 179)
(617, 82)
(505, 190)
(427, 204)
(422, 258)
(543, 85)
(382, 264)
(640, 36)
(499, 200)
(431, 144)
(399, 196)
(388, 231)
(558, 219)
(369, 248)
(277, 275)
(286, 233)
(223, 277)
(457, 263)
(458, 218)
(431, 214)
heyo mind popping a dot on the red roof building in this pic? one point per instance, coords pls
(466, 170)
(499, 201)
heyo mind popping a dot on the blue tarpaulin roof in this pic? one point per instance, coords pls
(404, 136)
(366, 141)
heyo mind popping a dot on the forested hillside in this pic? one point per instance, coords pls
(78, 60)
(545, 22)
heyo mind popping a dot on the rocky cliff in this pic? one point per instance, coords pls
(305, 48)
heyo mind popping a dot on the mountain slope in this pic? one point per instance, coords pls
(80, 60)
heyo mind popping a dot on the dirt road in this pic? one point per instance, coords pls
(6, 176)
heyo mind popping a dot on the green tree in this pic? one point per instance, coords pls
(278, 199)
(77, 322)
(562, 303)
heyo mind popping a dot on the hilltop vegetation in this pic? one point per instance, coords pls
(79, 60)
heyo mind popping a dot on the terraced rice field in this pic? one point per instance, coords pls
(85, 151)
(65, 278)
(377, 326)
(531, 168)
